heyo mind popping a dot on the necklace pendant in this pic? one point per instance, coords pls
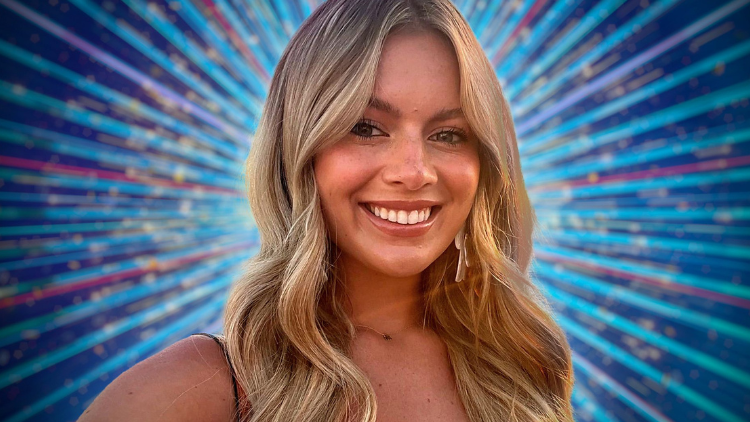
(387, 337)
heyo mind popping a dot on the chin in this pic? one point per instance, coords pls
(403, 268)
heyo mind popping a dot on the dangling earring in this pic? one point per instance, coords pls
(463, 260)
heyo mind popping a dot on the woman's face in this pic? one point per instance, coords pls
(413, 151)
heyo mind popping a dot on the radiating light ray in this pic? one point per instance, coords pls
(659, 340)
(650, 242)
(506, 66)
(203, 204)
(111, 155)
(127, 71)
(111, 96)
(220, 14)
(34, 327)
(247, 72)
(628, 67)
(102, 226)
(146, 181)
(654, 151)
(618, 389)
(252, 98)
(479, 21)
(687, 175)
(239, 34)
(674, 386)
(542, 138)
(95, 276)
(686, 283)
(592, 19)
(510, 29)
(156, 244)
(120, 185)
(282, 30)
(574, 222)
(639, 185)
(76, 114)
(268, 39)
(659, 307)
(587, 405)
(144, 46)
(636, 126)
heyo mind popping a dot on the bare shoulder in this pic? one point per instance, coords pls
(188, 381)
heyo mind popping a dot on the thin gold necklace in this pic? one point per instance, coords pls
(384, 335)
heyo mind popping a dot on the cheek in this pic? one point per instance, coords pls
(462, 177)
(339, 173)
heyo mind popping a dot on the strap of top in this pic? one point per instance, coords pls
(231, 369)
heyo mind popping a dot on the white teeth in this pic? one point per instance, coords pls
(401, 216)
(413, 217)
(392, 216)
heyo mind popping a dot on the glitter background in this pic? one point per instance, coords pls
(124, 125)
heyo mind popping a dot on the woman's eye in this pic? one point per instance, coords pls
(452, 137)
(366, 130)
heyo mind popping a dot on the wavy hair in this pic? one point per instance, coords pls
(286, 330)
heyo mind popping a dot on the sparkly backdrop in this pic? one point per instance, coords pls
(124, 125)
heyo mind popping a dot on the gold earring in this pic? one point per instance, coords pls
(463, 260)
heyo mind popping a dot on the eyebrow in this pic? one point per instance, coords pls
(389, 108)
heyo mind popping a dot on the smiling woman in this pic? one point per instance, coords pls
(398, 187)
(384, 169)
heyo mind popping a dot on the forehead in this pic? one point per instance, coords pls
(418, 71)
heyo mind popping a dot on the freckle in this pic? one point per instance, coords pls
(130, 392)
(428, 400)
(380, 385)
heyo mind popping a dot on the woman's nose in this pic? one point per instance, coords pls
(409, 164)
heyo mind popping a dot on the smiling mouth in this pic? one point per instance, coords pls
(402, 217)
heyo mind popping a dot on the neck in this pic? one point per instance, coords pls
(381, 302)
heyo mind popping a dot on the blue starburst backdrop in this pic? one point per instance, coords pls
(124, 126)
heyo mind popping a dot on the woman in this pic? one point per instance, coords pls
(392, 279)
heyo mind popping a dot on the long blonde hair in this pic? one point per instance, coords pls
(286, 330)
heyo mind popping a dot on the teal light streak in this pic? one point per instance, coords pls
(663, 342)
(642, 153)
(34, 327)
(661, 118)
(145, 47)
(553, 54)
(541, 140)
(102, 123)
(711, 284)
(62, 279)
(119, 157)
(251, 100)
(625, 358)
(623, 294)
(128, 103)
(623, 32)
(615, 388)
(104, 185)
